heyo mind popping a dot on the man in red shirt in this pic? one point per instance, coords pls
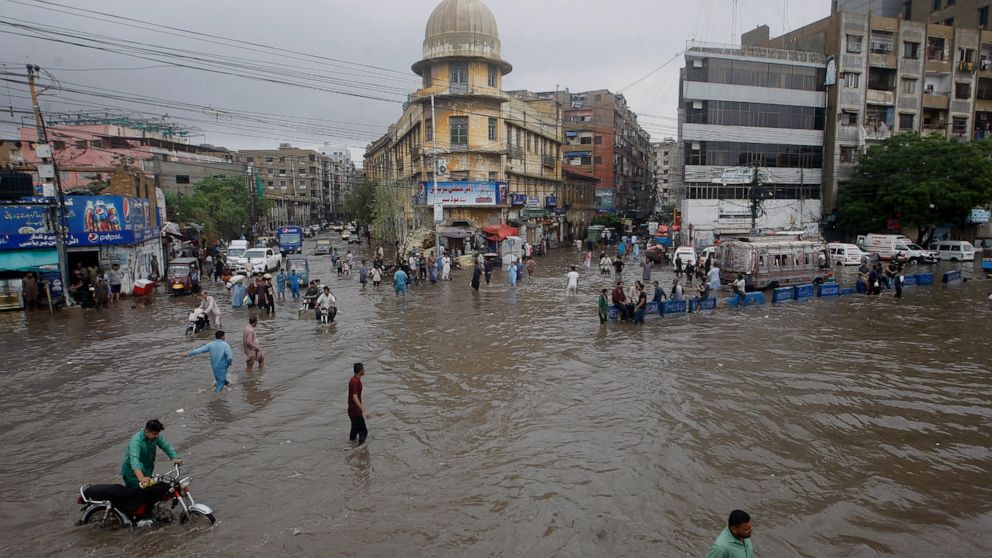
(620, 301)
(356, 410)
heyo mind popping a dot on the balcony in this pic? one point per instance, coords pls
(549, 160)
(879, 132)
(516, 152)
(877, 97)
(457, 90)
(936, 99)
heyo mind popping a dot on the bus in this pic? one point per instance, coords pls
(770, 262)
(290, 239)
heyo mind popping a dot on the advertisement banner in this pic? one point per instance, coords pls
(463, 193)
(604, 201)
(91, 221)
(533, 201)
(518, 200)
(979, 216)
(550, 201)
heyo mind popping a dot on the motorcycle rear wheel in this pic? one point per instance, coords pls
(114, 520)
(194, 518)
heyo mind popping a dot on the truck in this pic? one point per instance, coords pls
(290, 239)
(888, 246)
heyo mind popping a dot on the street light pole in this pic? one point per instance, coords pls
(60, 228)
(438, 208)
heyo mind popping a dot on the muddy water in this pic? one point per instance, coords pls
(509, 423)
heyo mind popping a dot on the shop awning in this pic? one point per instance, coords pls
(498, 233)
(456, 232)
(27, 260)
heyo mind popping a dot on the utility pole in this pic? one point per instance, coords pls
(253, 196)
(49, 159)
(438, 208)
(755, 198)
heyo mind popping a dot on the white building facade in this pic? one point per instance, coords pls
(749, 112)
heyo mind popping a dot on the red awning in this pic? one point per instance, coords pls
(498, 233)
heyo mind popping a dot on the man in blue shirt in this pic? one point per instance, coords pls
(221, 357)
(400, 279)
(294, 284)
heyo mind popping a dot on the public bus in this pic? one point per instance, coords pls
(769, 262)
(290, 239)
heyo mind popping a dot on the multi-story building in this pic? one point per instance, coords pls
(972, 14)
(90, 147)
(751, 126)
(603, 139)
(293, 179)
(501, 149)
(339, 177)
(666, 173)
(890, 76)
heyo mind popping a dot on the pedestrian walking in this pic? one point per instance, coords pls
(357, 411)
(376, 276)
(735, 540)
(532, 267)
(572, 287)
(363, 274)
(476, 273)
(209, 305)
(221, 358)
(604, 307)
(281, 286)
(588, 259)
(488, 268)
(249, 342)
(511, 273)
(618, 266)
(116, 278)
(446, 268)
(29, 290)
(400, 279)
(647, 268)
(678, 266)
(294, 284)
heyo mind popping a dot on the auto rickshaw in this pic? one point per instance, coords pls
(178, 276)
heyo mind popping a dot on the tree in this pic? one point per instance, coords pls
(920, 182)
(221, 205)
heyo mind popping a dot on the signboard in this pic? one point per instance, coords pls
(979, 216)
(533, 201)
(438, 213)
(550, 201)
(830, 77)
(604, 201)
(91, 221)
(741, 175)
(462, 193)
(518, 200)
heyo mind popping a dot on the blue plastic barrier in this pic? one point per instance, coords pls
(754, 298)
(924, 279)
(847, 291)
(733, 301)
(953, 276)
(908, 280)
(783, 294)
(803, 292)
(828, 290)
(652, 310)
(613, 314)
(673, 307)
(708, 304)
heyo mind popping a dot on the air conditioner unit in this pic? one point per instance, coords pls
(696, 147)
(697, 63)
(697, 104)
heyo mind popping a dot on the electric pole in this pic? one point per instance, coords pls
(438, 208)
(45, 152)
(755, 196)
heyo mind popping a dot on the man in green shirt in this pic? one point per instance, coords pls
(604, 307)
(139, 459)
(735, 540)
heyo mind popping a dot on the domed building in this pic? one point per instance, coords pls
(499, 150)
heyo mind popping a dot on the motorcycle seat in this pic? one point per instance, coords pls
(113, 492)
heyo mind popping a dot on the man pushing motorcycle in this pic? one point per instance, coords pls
(139, 458)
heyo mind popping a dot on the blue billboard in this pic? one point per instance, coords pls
(463, 193)
(91, 221)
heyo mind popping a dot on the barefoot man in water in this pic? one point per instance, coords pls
(356, 409)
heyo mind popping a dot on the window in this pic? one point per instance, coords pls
(428, 80)
(428, 130)
(936, 5)
(585, 140)
(983, 17)
(458, 73)
(962, 90)
(182, 179)
(268, 159)
(949, 22)
(597, 140)
(959, 126)
(881, 42)
(848, 118)
(80, 144)
(909, 85)
(906, 121)
(492, 129)
(491, 81)
(459, 130)
(852, 80)
(270, 184)
(854, 43)
(847, 154)
(935, 49)
(910, 50)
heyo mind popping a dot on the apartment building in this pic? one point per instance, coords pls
(890, 76)
(501, 149)
(339, 178)
(972, 14)
(751, 127)
(666, 172)
(293, 179)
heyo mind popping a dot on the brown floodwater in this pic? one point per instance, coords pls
(508, 422)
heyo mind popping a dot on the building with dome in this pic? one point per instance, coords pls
(501, 150)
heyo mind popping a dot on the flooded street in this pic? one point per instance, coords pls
(510, 423)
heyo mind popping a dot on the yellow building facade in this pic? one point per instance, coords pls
(501, 150)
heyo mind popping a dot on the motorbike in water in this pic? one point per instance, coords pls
(196, 321)
(308, 303)
(116, 506)
(326, 314)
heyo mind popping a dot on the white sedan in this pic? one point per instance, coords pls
(259, 260)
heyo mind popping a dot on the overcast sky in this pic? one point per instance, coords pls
(574, 44)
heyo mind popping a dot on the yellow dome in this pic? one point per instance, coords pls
(462, 29)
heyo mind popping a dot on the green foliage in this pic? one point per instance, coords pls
(605, 219)
(387, 210)
(921, 181)
(221, 205)
(360, 202)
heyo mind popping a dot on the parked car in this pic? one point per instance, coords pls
(354, 238)
(845, 254)
(345, 235)
(888, 246)
(685, 253)
(259, 260)
(323, 247)
(954, 250)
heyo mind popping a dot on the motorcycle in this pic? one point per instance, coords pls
(308, 303)
(326, 313)
(196, 321)
(118, 506)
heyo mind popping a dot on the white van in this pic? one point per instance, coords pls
(685, 253)
(888, 246)
(845, 254)
(954, 250)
